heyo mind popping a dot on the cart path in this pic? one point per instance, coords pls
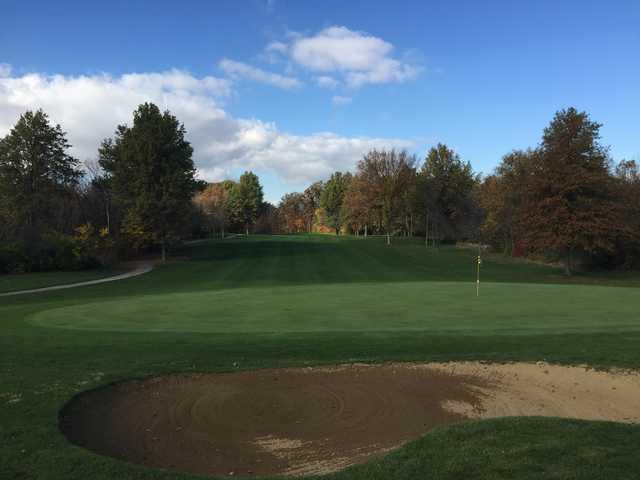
(139, 269)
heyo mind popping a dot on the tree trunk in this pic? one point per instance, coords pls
(567, 264)
(388, 238)
(246, 229)
(164, 250)
(426, 232)
(365, 230)
(435, 240)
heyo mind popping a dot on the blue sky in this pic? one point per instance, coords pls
(296, 89)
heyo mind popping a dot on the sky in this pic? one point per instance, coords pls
(294, 90)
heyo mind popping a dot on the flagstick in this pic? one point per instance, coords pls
(478, 277)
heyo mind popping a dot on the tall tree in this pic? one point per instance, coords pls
(36, 174)
(332, 199)
(445, 185)
(152, 173)
(311, 199)
(570, 202)
(245, 200)
(359, 204)
(502, 197)
(386, 176)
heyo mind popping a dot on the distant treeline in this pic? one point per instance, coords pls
(563, 200)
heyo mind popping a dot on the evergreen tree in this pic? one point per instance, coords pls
(151, 172)
(36, 175)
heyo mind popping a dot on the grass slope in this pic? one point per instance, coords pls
(265, 283)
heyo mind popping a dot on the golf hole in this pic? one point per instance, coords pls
(306, 421)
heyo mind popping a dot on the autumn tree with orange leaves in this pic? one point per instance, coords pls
(213, 201)
(570, 200)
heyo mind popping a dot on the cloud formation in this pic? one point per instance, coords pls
(359, 57)
(5, 69)
(326, 81)
(90, 107)
(238, 70)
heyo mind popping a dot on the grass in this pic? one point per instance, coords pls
(286, 301)
(28, 281)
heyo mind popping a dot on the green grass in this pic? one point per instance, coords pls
(28, 281)
(286, 301)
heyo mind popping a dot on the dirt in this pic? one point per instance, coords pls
(318, 420)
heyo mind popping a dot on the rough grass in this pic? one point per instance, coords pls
(41, 367)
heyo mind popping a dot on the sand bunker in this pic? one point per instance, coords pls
(318, 420)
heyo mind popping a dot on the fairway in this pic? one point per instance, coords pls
(437, 307)
(267, 302)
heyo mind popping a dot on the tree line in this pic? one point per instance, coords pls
(563, 200)
(137, 197)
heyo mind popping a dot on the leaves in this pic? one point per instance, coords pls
(36, 173)
(151, 170)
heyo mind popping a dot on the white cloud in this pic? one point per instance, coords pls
(325, 81)
(90, 107)
(5, 70)
(360, 57)
(338, 101)
(242, 70)
(279, 47)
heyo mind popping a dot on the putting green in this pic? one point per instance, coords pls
(502, 308)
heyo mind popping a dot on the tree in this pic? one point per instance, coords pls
(213, 200)
(37, 175)
(383, 179)
(359, 205)
(311, 200)
(627, 177)
(333, 198)
(444, 187)
(268, 221)
(292, 212)
(245, 200)
(570, 200)
(502, 196)
(151, 171)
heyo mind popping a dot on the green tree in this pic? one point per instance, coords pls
(245, 200)
(36, 175)
(332, 199)
(151, 171)
(444, 187)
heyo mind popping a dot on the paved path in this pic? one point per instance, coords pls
(140, 268)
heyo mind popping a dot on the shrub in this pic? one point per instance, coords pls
(13, 259)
